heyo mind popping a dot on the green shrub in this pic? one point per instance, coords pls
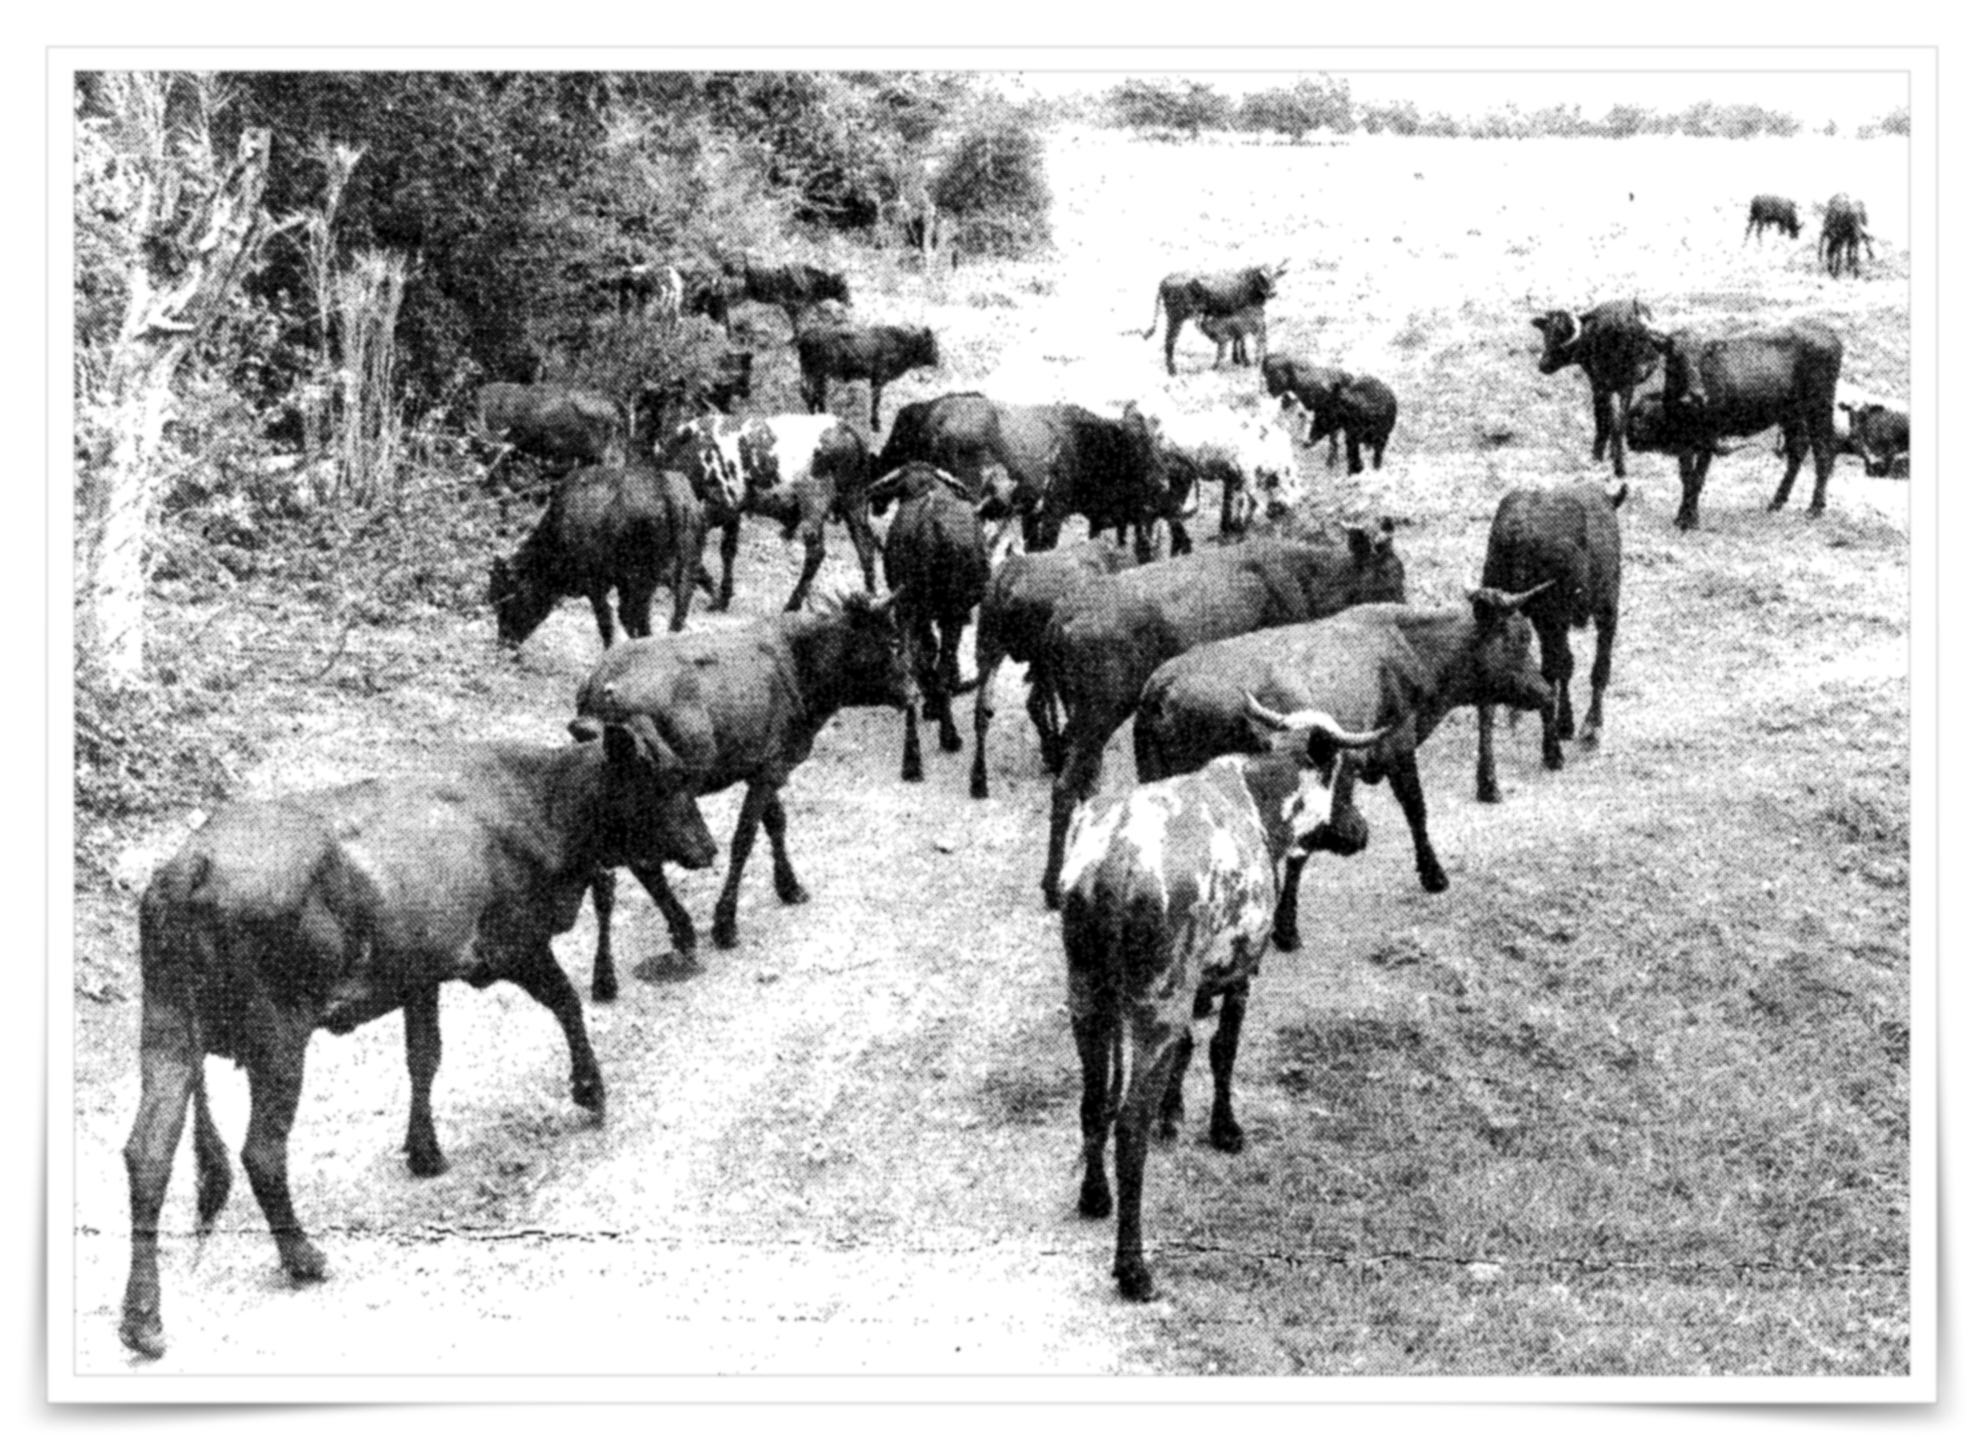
(993, 182)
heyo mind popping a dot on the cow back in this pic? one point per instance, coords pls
(1567, 538)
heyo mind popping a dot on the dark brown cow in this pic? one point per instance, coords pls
(1310, 385)
(1367, 665)
(1183, 296)
(1612, 346)
(1111, 635)
(558, 427)
(1879, 435)
(1169, 895)
(1568, 539)
(744, 705)
(1772, 211)
(1233, 330)
(935, 561)
(330, 909)
(608, 529)
(877, 355)
(1364, 410)
(1843, 233)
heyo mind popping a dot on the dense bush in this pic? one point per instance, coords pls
(1169, 104)
(993, 182)
(1294, 111)
(1894, 123)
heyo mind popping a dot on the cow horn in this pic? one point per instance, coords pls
(1313, 719)
(1577, 327)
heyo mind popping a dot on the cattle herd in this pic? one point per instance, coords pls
(1263, 679)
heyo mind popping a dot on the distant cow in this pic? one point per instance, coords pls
(1720, 388)
(1616, 352)
(1364, 410)
(1183, 296)
(801, 469)
(608, 529)
(1107, 638)
(1843, 233)
(1568, 539)
(879, 355)
(1012, 624)
(792, 287)
(1232, 331)
(1310, 385)
(558, 427)
(1879, 435)
(334, 908)
(1169, 894)
(1772, 211)
(744, 705)
(935, 561)
(1367, 665)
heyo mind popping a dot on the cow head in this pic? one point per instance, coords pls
(647, 810)
(863, 652)
(522, 601)
(1380, 575)
(1318, 744)
(1498, 667)
(923, 348)
(1561, 332)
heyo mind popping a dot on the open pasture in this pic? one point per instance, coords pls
(1630, 1098)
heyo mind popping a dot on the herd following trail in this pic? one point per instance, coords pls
(1254, 599)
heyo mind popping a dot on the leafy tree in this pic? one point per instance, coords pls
(1294, 111)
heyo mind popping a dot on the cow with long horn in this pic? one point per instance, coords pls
(1169, 901)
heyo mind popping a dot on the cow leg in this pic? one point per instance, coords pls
(1412, 801)
(949, 632)
(1601, 676)
(1794, 455)
(1076, 782)
(169, 1065)
(1171, 326)
(636, 613)
(605, 983)
(539, 974)
(723, 929)
(422, 1011)
(1154, 1044)
(681, 957)
(1347, 835)
(863, 538)
(1181, 541)
(1615, 408)
(816, 552)
(1287, 933)
(602, 614)
(784, 880)
(1558, 667)
(1822, 460)
(1486, 789)
(1350, 444)
(727, 550)
(875, 405)
(914, 646)
(1171, 1110)
(1227, 1135)
(981, 719)
(275, 1085)
(1601, 419)
(1095, 1045)
(1694, 473)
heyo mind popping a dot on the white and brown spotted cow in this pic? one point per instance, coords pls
(1168, 902)
(801, 469)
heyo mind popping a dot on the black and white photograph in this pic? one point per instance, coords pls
(1072, 720)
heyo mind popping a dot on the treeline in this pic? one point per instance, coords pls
(1176, 106)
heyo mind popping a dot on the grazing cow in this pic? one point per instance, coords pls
(1879, 435)
(936, 564)
(1110, 636)
(559, 427)
(1363, 410)
(801, 469)
(1772, 211)
(1726, 387)
(879, 355)
(1183, 296)
(1372, 663)
(1310, 385)
(1232, 330)
(744, 705)
(607, 529)
(1248, 454)
(1170, 892)
(337, 907)
(1616, 352)
(1012, 623)
(1568, 539)
(1843, 233)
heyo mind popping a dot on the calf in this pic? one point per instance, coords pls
(801, 469)
(1566, 543)
(1169, 895)
(1377, 662)
(1879, 435)
(743, 705)
(1012, 624)
(1772, 211)
(1232, 330)
(337, 907)
(1284, 377)
(556, 426)
(1718, 388)
(935, 561)
(878, 354)
(1183, 296)
(1364, 410)
(607, 529)
(1615, 351)
(1843, 233)
(1106, 639)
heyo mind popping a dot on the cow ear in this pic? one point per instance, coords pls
(1360, 545)
(621, 747)
(1541, 324)
(584, 729)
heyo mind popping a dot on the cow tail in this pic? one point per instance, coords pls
(1156, 310)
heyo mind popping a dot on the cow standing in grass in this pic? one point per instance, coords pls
(936, 564)
(557, 427)
(334, 908)
(1843, 233)
(1216, 296)
(1878, 434)
(1169, 895)
(1232, 331)
(876, 355)
(1564, 541)
(1612, 346)
(1772, 211)
(1284, 377)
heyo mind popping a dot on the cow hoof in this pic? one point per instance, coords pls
(1288, 941)
(1553, 760)
(723, 931)
(1434, 881)
(590, 1094)
(605, 988)
(1134, 1283)
(1052, 895)
(950, 742)
(912, 773)
(1228, 1137)
(1816, 509)
(979, 789)
(791, 893)
(303, 1259)
(1095, 1201)
(1588, 740)
(1488, 795)
(1165, 1130)
(1774, 505)
(143, 1336)
(425, 1160)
